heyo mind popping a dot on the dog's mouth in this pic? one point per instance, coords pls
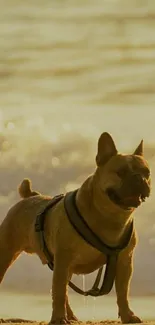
(127, 202)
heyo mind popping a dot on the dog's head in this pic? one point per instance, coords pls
(125, 179)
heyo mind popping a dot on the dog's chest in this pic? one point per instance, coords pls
(84, 258)
(87, 260)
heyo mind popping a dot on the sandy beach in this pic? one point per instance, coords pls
(22, 321)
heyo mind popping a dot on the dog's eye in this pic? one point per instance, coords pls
(146, 173)
(122, 172)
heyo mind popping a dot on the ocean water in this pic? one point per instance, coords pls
(64, 55)
(69, 70)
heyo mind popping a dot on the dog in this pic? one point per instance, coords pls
(106, 200)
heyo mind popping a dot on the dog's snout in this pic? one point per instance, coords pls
(136, 184)
(138, 178)
(142, 184)
(140, 181)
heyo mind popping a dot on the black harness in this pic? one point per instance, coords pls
(90, 237)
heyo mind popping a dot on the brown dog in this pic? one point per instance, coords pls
(106, 201)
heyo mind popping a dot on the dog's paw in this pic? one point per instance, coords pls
(73, 318)
(58, 321)
(127, 316)
(130, 319)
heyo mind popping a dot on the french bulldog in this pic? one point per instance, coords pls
(106, 201)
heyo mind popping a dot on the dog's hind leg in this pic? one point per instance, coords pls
(6, 259)
(9, 250)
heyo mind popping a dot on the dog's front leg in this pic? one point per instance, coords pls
(122, 283)
(59, 289)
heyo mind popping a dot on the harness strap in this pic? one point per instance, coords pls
(94, 291)
(39, 227)
(108, 280)
(88, 235)
(80, 225)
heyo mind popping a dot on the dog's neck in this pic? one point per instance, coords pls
(105, 218)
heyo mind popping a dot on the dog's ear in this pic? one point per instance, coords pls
(106, 149)
(139, 150)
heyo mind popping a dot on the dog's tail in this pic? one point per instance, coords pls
(25, 189)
